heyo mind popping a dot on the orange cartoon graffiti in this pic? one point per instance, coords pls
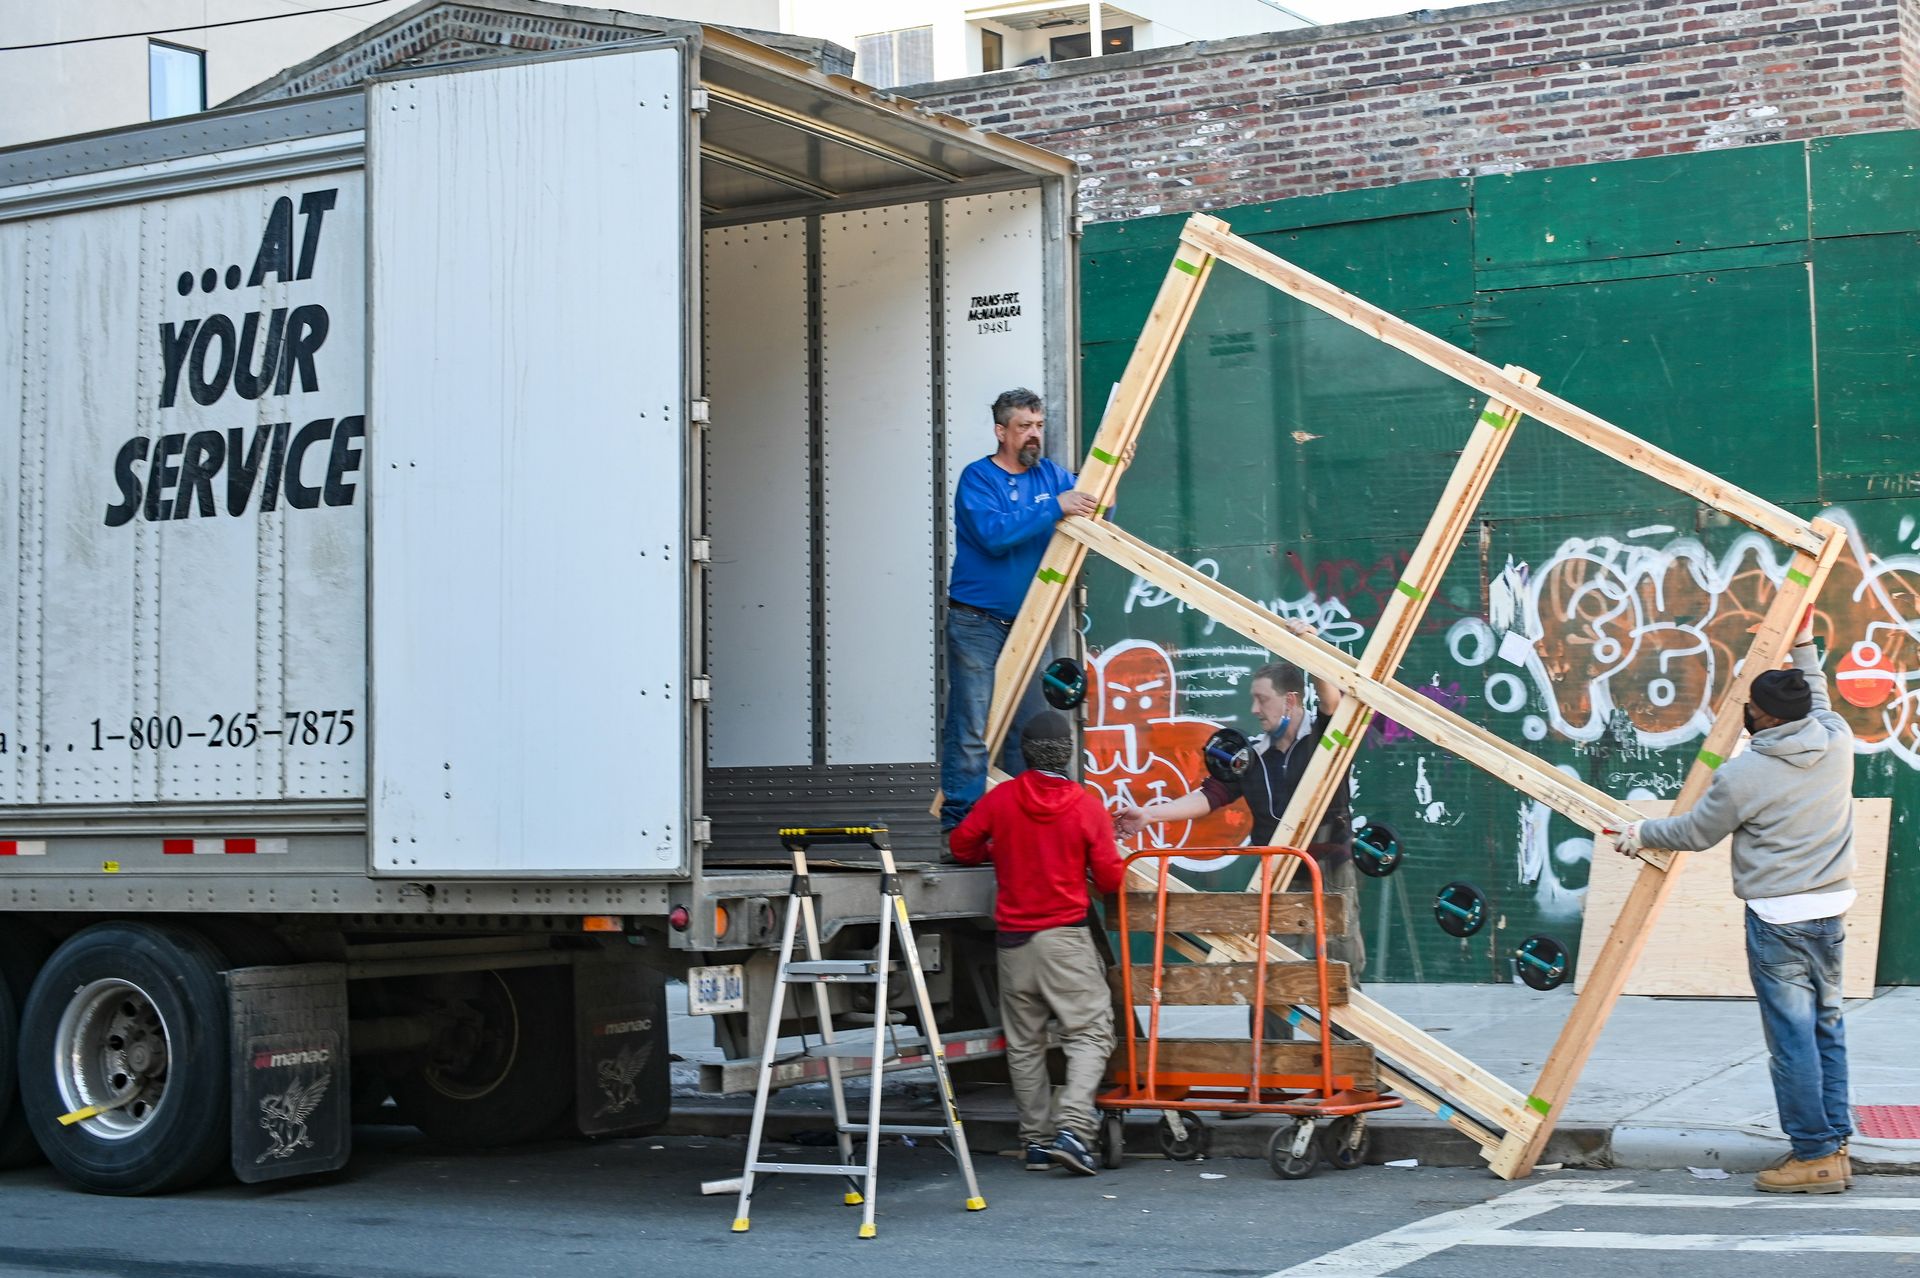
(1140, 748)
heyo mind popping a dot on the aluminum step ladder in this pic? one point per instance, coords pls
(862, 1179)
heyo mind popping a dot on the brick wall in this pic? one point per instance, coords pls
(1910, 59)
(1485, 89)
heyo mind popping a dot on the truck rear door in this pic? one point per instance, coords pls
(530, 467)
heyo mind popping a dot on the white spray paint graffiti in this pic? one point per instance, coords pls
(1601, 654)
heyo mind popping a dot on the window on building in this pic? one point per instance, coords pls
(176, 80)
(889, 58)
(993, 51)
(1080, 45)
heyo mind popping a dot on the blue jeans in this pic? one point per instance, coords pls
(973, 648)
(1796, 973)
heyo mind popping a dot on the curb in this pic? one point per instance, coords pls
(1433, 1144)
(1740, 1149)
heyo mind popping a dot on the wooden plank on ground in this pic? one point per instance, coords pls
(1099, 476)
(1232, 1055)
(1698, 947)
(1231, 984)
(1608, 968)
(1231, 912)
(1569, 419)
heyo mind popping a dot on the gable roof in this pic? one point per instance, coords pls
(440, 31)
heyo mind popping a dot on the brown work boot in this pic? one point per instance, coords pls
(1805, 1176)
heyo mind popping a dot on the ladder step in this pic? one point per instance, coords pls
(863, 1048)
(809, 1169)
(895, 1129)
(836, 972)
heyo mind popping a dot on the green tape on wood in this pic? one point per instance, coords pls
(1711, 759)
(1101, 454)
(1496, 420)
(1798, 578)
(1051, 577)
(1410, 590)
(1539, 1105)
(1188, 267)
(1339, 737)
(1100, 512)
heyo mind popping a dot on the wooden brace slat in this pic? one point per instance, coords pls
(1569, 419)
(1579, 802)
(1608, 970)
(1400, 620)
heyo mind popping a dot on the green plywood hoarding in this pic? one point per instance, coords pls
(1756, 311)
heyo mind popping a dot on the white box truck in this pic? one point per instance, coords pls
(450, 525)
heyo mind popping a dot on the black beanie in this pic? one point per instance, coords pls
(1782, 694)
(1047, 742)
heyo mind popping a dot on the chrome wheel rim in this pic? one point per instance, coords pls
(112, 1050)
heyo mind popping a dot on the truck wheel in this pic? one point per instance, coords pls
(505, 1073)
(21, 954)
(131, 1018)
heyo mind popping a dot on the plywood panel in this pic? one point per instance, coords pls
(1238, 912)
(1698, 946)
(1229, 1056)
(1231, 984)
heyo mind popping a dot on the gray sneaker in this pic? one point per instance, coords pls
(1072, 1153)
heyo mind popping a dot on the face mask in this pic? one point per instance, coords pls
(1280, 730)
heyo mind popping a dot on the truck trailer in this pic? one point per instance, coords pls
(453, 524)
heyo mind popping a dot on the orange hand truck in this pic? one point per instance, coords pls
(1329, 1083)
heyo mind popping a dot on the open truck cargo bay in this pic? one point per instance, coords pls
(500, 494)
(461, 548)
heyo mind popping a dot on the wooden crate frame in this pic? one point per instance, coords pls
(1510, 1126)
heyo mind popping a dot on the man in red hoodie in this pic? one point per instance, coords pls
(1046, 836)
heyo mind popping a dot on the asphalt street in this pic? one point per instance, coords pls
(406, 1209)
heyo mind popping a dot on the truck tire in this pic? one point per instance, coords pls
(132, 1015)
(513, 1078)
(21, 953)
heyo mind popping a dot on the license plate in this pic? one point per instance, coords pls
(711, 990)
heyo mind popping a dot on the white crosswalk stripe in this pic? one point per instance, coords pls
(1487, 1225)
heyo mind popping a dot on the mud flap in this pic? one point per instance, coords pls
(291, 1115)
(623, 1077)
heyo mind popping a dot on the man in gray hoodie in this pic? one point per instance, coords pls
(1788, 803)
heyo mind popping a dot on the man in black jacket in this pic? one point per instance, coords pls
(1281, 754)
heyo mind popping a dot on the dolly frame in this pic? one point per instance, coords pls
(1511, 1127)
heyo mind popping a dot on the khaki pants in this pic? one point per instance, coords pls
(1056, 975)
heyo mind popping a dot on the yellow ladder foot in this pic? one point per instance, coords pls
(853, 1198)
(740, 1225)
(976, 1204)
(867, 1231)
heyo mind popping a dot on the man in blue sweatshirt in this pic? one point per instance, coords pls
(1788, 803)
(1003, 515)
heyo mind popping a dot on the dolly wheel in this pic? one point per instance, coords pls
(1198, 1139)
(1346, 1142)
(1113, 1140)
(1285, 1163)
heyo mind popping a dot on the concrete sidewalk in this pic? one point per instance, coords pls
(1672, 1082)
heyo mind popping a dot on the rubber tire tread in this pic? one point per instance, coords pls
(21, 953)
(189, 1137)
